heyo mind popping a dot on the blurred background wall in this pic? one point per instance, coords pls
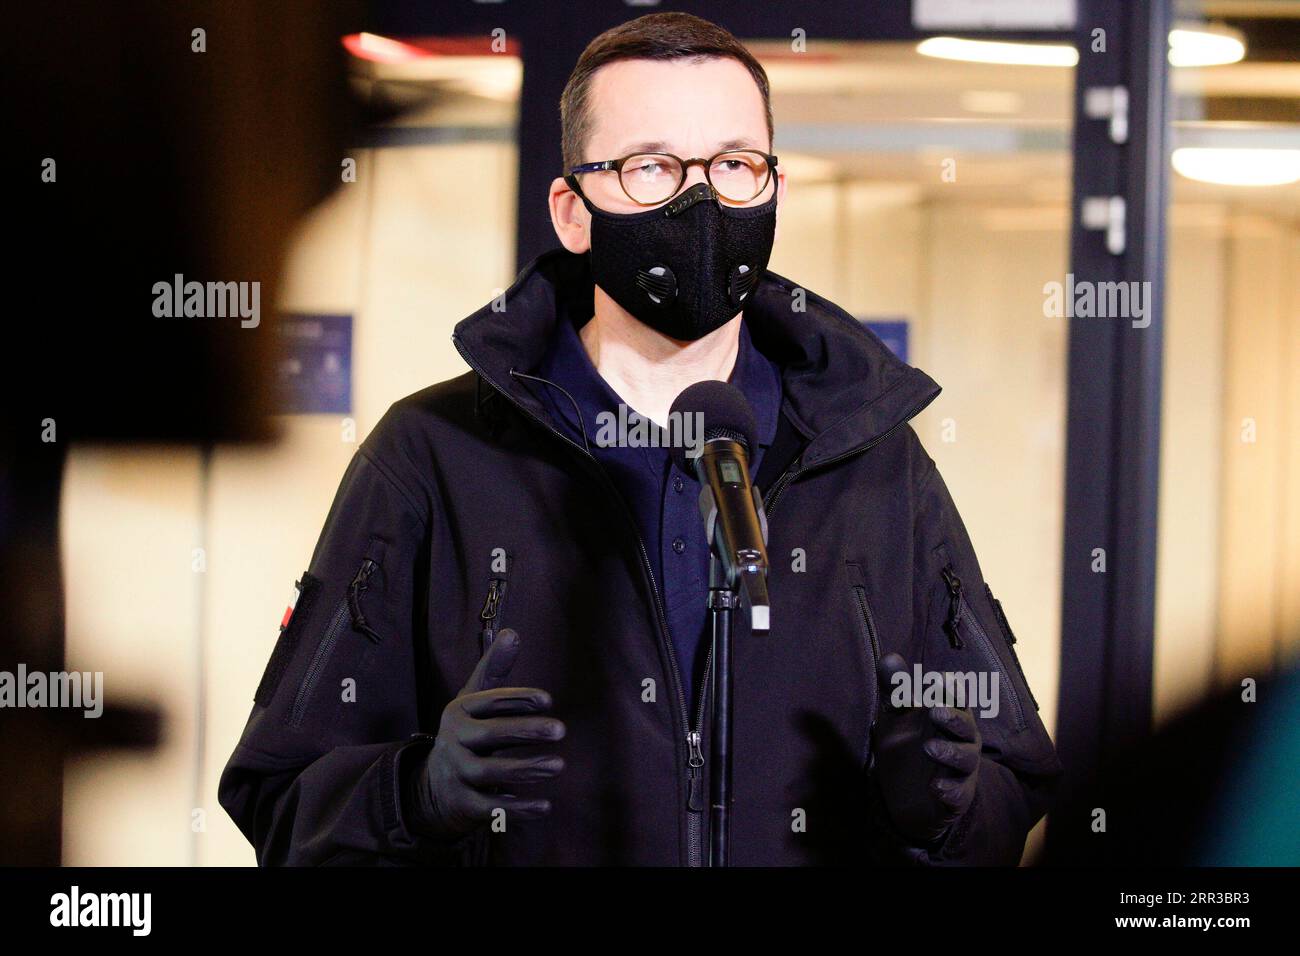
(928, 191)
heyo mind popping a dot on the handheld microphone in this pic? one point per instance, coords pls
(732, 509)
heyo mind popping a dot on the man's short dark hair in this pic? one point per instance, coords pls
(656, 36)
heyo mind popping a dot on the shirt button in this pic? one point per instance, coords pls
(679, 545)
(678, 484)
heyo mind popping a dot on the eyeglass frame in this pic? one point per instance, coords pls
(616, 165)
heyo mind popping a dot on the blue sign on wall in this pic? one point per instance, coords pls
(893, 332)
(313, 374)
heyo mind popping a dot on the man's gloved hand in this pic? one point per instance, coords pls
(926, 762)
(457, 788)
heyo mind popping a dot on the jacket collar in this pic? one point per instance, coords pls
(843, 388)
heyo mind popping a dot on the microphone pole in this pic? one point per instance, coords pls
(721, 601)
(736, 528)
(748, 573)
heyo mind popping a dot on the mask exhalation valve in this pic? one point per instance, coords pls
(741, 283)
(659, 283)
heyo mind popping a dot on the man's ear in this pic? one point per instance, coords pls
(570, 218)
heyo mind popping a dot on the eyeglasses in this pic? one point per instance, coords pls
(648, 179)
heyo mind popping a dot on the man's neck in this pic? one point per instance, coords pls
(649, 370)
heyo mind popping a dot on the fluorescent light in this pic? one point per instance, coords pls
(371, 46)
(1198, 45)
(991, 51)
(1205, 46)
(1238, 167)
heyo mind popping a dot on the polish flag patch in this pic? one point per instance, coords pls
(293, 602)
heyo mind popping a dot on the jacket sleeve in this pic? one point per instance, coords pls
(317, 775)
(961, 627)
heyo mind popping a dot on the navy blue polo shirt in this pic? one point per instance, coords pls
(663, 499)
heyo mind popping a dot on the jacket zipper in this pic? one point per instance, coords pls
(870, 623)
(952, 622)
(695, 804)
(318, 664)
(692, 732)
(355, 590)
(874, 647)
(960, 611)
(350, 606)
(491, 610)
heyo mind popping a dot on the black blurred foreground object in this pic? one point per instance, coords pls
(167, 161)
(134, 158)
(1217, 786)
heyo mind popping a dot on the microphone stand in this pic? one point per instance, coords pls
(724, 597)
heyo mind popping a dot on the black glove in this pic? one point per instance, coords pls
(456, 788)
(926, 764)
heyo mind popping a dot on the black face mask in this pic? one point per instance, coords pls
(685, 268)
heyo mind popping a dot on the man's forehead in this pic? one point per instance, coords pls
(676, 109)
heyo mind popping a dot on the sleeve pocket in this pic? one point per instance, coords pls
(967, 633)
(357, 624)
(962, 644)
(1010, 637)
(290, 633)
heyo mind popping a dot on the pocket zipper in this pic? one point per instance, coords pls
(951, 622)
(492, 606)
(355, 590)
(348, 609)
(873, 650)
(959, 612)
(318, 664)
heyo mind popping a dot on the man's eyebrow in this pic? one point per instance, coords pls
(659, 146)
(650, 146)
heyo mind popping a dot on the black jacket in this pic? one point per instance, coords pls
(464, 509)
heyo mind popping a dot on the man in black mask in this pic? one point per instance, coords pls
(511, 581)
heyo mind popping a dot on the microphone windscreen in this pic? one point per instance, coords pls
(725, 414)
